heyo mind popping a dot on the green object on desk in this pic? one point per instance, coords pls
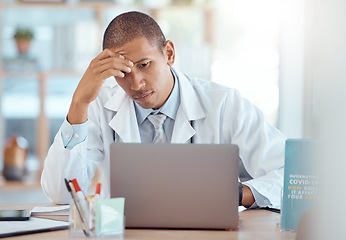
(109, 217)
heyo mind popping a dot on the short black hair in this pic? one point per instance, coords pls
(132, 25)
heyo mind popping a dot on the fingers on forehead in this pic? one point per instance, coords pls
(116, 58)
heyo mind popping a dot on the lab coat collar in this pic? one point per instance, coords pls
(189, 101)
(190, 109)
(124, 123)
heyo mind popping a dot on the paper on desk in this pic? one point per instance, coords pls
(57, 210)
(34, 225)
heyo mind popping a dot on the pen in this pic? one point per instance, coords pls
(97, 191)
(77, 207)
(83, 202)
(84, 212)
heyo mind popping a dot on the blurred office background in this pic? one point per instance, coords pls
(285, 56)
(233, 42)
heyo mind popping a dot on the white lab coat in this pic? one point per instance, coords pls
(219, 115)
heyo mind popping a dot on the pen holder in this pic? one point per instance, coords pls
(82, 223)
(104, 219)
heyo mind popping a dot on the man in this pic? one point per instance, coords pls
(102, 111)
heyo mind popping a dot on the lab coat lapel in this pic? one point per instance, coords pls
(124, 123)
(190, 109)
(182, 130)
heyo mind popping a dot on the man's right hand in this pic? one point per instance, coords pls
(105, 65)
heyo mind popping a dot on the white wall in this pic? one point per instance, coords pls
(313, 98)
(291, 68)
(325, 69)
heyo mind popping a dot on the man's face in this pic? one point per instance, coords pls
(150, 81)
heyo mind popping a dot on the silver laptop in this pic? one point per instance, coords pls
(181, 186)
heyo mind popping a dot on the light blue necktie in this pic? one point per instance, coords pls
(157, 121)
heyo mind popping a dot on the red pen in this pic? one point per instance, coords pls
(81, 200)
(97, 191)
(77, 188)
(70, 186)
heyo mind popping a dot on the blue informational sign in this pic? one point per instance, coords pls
(300, 181)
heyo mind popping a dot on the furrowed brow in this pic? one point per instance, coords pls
(141, 60)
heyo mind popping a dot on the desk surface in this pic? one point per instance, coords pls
(253, 224)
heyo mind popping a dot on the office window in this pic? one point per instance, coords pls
(20, 107)
(246, 54)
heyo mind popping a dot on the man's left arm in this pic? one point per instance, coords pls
(248, 198)
(261, 148)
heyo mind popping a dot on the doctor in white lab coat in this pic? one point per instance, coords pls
(104, 110)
